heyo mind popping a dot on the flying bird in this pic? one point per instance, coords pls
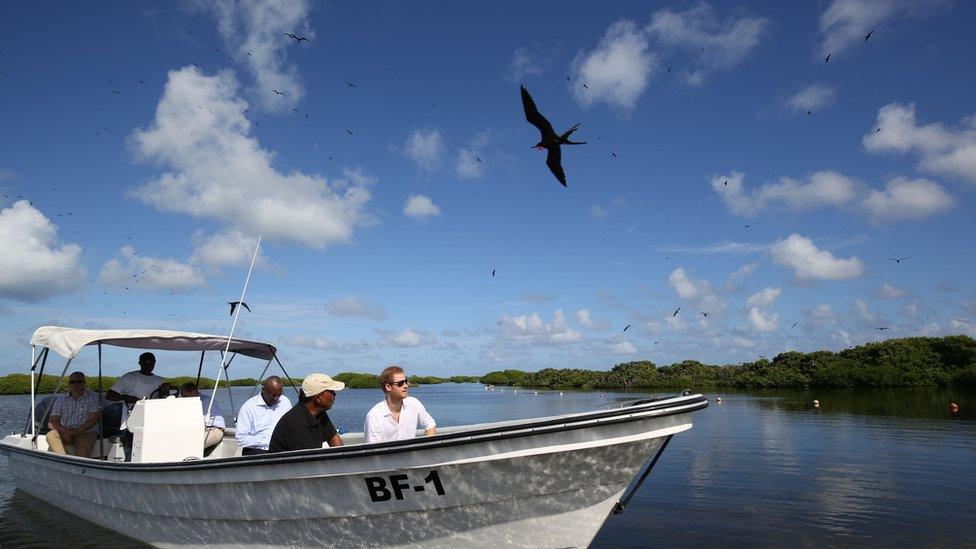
(350, 84)
(297, 38)
(794, 324)
(726, 183)
(868, 35)
(676, 312)
(278, 92)
(883, 328)
(827, 59)
(809, 113)
(234, 304)
(704, 314)
(626, 327)
(549, 139)
(897, 259)
(493, 273)
(613, 155)
(585, 86)
(350, 132)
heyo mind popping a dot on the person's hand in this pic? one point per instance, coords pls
(66, 434)
(130, 399)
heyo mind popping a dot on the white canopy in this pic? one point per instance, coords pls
(68, 342)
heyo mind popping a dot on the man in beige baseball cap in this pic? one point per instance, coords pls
(307, 424)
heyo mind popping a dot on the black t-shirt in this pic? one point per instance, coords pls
(299, 430)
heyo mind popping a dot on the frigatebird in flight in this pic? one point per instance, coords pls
(234, 304)
(626, 327)
(868, 36)
(550, 140)
(897, 259)
(297, 38)
(676, 311)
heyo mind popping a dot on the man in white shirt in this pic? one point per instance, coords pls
(259, 415)
(214, 428)
(136, 385)
(397, 416)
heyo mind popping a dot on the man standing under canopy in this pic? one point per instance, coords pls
(136, 385)
(258, 417)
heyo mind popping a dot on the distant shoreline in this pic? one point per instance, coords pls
(948, 361)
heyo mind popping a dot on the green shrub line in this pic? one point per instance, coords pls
(19, 384)
(908, 362)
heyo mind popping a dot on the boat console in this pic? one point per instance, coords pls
(168, 429)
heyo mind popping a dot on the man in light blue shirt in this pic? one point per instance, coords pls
(258, 417)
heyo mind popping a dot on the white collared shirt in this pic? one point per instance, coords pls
(380, 425)
(256, 421)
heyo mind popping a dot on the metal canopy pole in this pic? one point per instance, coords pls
(40, 376)
(230, 394)
(200, 368)
(50, 403)
(290, 381)
(101, 407)
(254, 391)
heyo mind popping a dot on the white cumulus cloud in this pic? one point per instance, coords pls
(34, 264)
(352, 307)
(846, 22)
(715, 43)
(823, 188)
(139, 272)
(809, 262)
(254, 32)
(226, 247)
(218, 170)
(905, 198)
(764, 298)
(617, 71)
(811, 97)
(942, 150)
(425, 148)
(763, 321)
(419, 206)
(525, 62)
(410, 338)
(532, 330)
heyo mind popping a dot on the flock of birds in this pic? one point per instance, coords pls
(549, 141)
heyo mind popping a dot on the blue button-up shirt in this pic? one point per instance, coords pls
(256, 421)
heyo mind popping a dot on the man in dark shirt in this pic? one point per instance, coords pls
(307, 425)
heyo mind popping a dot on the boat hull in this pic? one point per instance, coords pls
(551, 485)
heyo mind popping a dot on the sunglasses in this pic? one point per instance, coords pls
(400, 383)
(76, 381)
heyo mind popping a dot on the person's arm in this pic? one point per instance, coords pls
(372, 430)
(426, 421)
(117, 393)
(90, 422)
(244, 432)
(336, 440)
(66, 432)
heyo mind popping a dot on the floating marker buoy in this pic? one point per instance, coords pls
(718, 400)
(560, 394)
(953, 407)
(816, 403)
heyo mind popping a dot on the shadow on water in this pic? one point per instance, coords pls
(29, 522)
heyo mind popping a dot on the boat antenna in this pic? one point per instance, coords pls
(230, 336)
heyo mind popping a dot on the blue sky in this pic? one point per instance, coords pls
(143, 150)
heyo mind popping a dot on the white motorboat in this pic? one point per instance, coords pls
(546, 482)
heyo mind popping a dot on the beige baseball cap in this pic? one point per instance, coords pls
(314, 384)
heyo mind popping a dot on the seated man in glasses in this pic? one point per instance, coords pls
(73, 417)
(397, 416)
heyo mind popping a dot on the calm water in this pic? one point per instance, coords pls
(877, 468)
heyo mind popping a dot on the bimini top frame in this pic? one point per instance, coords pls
(68, 342)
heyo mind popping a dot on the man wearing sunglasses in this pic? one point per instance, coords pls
(397, 416)
(72, 418)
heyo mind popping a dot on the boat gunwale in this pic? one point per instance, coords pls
(553, 424)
